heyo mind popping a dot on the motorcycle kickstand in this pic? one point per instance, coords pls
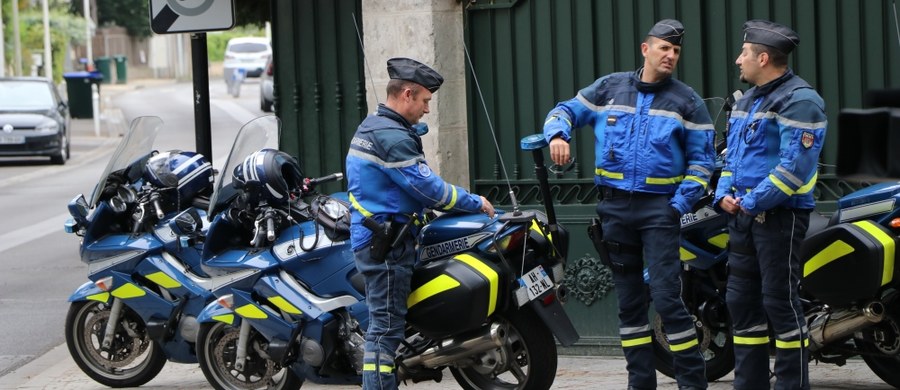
(114, 312)
(242, 341)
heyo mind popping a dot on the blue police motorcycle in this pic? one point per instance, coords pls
(139, 308)
(849, 285)
(484, 303)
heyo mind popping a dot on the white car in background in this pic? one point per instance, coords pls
(247, 53)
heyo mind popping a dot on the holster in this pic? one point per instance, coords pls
(603, 247)
(385, 236)
(595, 233)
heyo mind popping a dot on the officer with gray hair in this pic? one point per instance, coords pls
(389, 183)
(775, 135)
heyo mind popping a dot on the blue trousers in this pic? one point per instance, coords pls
(649, 221)
(762, 292)
(387, 288)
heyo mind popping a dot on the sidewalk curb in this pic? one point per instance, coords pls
(45, 368)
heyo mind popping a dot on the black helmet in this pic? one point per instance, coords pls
(268, 175)
(189, 172)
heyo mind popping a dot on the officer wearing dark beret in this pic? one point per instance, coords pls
(653, 160)
(771, 34)
(415, 71)
(669, 30)
(777, 129)
(389, 183)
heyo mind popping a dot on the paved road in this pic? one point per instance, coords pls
(56, 370)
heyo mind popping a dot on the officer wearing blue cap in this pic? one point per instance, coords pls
(390, 183)
(653, 160)
(775, 135)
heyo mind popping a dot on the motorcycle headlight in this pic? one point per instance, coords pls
(47, 127)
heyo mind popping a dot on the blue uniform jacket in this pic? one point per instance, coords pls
(654, 138)
(775, 135)
(387, 175)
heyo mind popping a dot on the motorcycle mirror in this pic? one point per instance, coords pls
(78, 208)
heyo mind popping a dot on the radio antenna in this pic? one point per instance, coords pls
(512, 194)
(896, 22)
(365, 60)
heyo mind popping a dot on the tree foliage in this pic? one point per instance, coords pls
(134, 15)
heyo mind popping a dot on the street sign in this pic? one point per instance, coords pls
(181, 16)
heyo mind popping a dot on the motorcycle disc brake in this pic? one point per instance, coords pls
(703, 333)
(124, 349)
(253, 373)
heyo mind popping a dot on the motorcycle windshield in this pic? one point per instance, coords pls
(137, 143)
(260, 133)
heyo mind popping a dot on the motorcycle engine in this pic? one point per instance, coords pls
(354, 342)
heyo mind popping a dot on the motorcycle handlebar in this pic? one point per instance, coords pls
(332, 177)
(270, 228)
(309, 184)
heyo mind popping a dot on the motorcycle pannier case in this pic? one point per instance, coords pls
(453, 294)
(848, 263)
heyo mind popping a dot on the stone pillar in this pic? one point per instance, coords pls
(431, 33)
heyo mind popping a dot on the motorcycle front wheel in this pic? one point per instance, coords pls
(217, 346)
(880, 344)
(130, 361)
(526, 361)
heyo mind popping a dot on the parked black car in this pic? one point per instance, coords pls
(34, 119)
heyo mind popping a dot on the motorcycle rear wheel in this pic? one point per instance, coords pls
(716, 346)
(216, 346)
(131, 361)
(526, 361)
(887, 332)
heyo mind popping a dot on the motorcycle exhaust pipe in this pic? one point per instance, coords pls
(824, 329)
(452, 350)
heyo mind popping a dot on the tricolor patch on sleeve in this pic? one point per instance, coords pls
(807, 139)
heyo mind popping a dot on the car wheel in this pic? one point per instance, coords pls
(63, 155)
(265, 105)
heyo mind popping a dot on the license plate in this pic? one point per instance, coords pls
(12, 139)
(536, 282)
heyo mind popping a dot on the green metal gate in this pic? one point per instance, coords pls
(530, 54)
(320, 92)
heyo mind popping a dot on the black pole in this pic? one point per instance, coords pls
(200, 63)
(543, 180)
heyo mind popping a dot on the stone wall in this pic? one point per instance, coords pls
(431, 32)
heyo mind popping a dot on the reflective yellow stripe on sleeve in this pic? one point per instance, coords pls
(697, 179)
(787, 190)
(452, 198)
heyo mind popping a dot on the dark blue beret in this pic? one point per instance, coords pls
(771, 34)
(415, 71)
(669, 30)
